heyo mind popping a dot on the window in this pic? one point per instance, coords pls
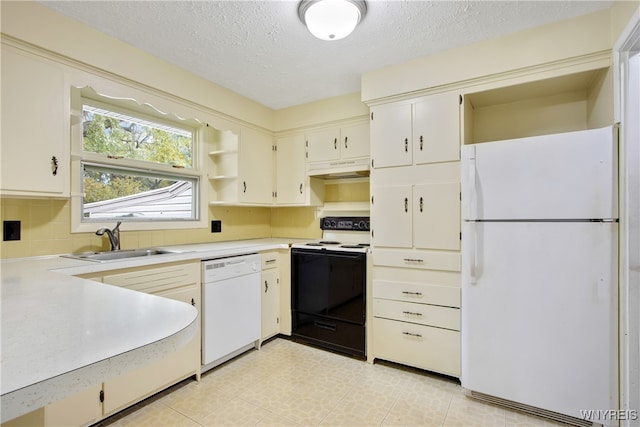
(133, 164)
(119, 135)
(114, 194)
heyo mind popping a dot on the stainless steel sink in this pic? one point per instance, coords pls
(116, 255)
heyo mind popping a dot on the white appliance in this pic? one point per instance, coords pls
(539, 274)
(231, 309)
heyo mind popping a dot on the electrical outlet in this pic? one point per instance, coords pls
(216, 226)
(10, 230)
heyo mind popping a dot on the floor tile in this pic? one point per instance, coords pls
(465, 411)
(289, 384)
(361, 406)
(520, 419)
(423, 406)
(155, 414)
(234, 412)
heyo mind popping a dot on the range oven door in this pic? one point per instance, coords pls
(328, 298)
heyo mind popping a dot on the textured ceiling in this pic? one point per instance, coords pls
(261, 50)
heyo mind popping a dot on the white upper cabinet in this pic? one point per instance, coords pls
(239, 168)
(323, 145)
(419, 131)
(256, 167)
(391, 135)
(338, 143)
(293, 186)
(425, 216)
(354, 140)
(290, 170)
(35, 126)
(436, 129)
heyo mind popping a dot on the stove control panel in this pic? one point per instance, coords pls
(348, 223)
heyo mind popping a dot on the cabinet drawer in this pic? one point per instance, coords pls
(424, 314)
(423, 293)
(156, 279)
(269, 260)
(426, 260)
(420, 346)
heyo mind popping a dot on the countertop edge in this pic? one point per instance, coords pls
(38, 395)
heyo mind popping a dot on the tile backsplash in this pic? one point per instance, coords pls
(46, 225)
(46, 229)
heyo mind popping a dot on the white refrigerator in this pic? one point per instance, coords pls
(539, 273)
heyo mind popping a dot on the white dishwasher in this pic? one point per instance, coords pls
(231, 307)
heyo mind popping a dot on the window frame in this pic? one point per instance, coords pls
(79, 157)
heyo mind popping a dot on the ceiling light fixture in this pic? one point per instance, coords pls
(331, 19)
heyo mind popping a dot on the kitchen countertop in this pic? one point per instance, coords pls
(61, 334)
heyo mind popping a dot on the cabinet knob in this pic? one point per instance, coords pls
(300, 188)
(406, 204)
(244, 184)
(266, 286)
(193, 302)
(345, 142)
(406, 145)
(421, 143)
(421, 204)
(335, 143)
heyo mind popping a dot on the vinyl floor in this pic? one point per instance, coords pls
(290, 384)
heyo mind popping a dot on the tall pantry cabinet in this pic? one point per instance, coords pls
(415, 221)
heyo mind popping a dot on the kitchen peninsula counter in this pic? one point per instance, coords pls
(62, 334)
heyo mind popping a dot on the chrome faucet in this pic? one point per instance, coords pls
(114, 236)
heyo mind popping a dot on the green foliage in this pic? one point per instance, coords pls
(120, 138)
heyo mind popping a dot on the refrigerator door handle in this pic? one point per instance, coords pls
(472, 197)
(473, 253)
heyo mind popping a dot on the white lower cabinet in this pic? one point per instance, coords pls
(425, 347)
(416, 324)
(179, 281)
(80, 409)
(270, 294)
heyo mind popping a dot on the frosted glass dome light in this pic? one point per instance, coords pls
(331, 19)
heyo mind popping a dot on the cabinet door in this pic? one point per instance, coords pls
(391, 135)
(323, 145)
(391, 216)
(270, 302)
(81, 409)
(354, 140)
(436, 129)
(436, 216)
(256, 168)
(35, 123)
(291, 170)
(131, 387)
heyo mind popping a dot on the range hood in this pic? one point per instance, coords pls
(339, 169)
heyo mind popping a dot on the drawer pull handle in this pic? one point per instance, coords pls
(413, 260)
(411, 313)
(411, 334)
(418, 294)
(270, 261)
